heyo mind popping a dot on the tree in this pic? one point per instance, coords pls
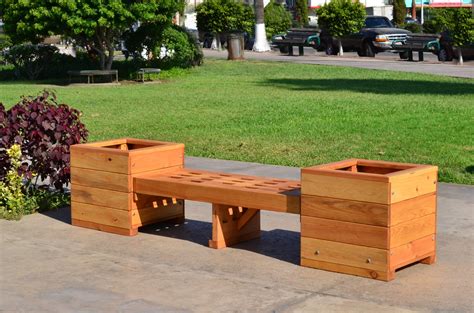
(261, 43)
(341, 18)
(277, 19)
(220, 16)
(399, 12)
(302, 12)
(457, 23)
(93, 24)
(462, 30)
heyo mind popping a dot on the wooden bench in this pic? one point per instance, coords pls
(297, 37)
(236, 199)
(91, 73)
(360, 217)
(417, 43)
(146, 70)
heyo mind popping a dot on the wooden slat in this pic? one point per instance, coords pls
(105, 228)
(412, 251)
(144, 160)
(345, 232)
(109, 160)
(342, 253)
(411, 230)
(412, 208)
(101, 197)
(345, 188)
(101, 215)
(345, 210)
(153, 215)
(413, 184)
(101, 179)
(345, 269)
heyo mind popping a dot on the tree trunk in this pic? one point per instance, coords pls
(460, 58)
(103, 45)
(341, 51)
(216, 42)
(261, 43)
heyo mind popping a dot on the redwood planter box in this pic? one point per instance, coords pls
(368, 218)
(102, 174)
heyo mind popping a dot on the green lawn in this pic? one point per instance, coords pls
(289, 114)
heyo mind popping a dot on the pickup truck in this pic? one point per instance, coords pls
(378, 35)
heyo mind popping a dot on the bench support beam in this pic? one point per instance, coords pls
(229, 229)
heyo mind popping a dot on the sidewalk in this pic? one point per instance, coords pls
(436, 68)
(47, 265)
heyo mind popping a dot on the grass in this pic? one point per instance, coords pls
(288, 114)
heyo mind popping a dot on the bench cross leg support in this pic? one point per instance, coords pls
(231, 225)
(301, 50)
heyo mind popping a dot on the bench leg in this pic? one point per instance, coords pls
(290, 50)
(301, 50)
(410, 55)
(231, 225)
(420, 56)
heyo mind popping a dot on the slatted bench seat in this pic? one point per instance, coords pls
(236, 199)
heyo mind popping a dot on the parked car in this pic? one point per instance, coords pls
(378, 35)
(448, 52)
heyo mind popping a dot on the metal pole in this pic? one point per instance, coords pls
(422, 15)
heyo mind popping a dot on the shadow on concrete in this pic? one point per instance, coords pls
(62, 215)
(280, 244)
(377, 86)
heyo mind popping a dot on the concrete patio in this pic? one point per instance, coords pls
(47, 265)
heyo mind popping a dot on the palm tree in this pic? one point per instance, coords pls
(261, 43)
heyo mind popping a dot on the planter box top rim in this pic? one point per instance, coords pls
(369, 169)
(127, 146)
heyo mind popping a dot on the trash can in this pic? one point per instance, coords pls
(235, 46)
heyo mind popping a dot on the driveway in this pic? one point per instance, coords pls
(383, 61)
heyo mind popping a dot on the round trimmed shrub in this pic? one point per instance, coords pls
(277, 19)
(177, 49)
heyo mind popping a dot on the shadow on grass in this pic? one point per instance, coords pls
(377, 86)
(280, 244)
(469, 169)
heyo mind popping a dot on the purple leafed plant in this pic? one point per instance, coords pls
(45, 130)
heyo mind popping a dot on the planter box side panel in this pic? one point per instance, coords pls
(345, 232)
(101, 179)
(345, 254)
(100, 215)
(411, 209)
(407, 232)
(345, 210)
(345, 188)
(346, 269)
(94, 158)
(414, 251)
(413, 185)
(147, 161)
